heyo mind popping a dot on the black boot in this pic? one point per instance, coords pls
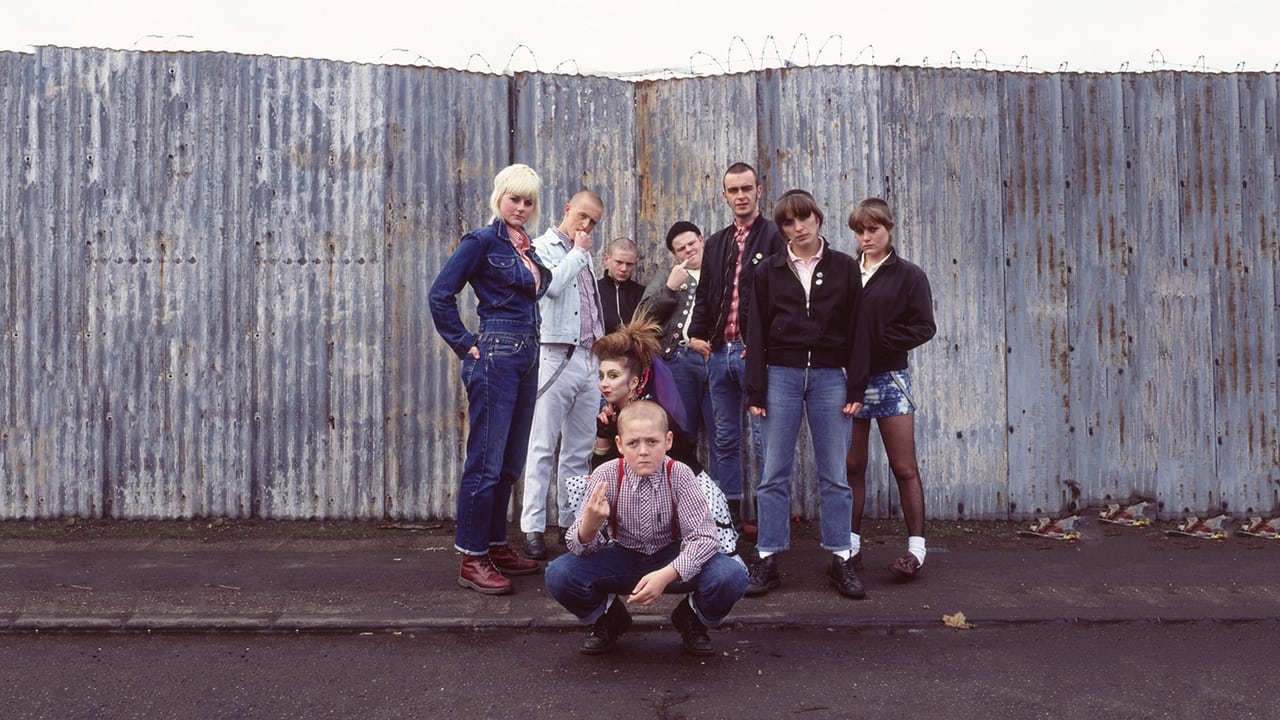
(607, 629)
(735, 512)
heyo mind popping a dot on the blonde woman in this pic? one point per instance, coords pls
(499, 370)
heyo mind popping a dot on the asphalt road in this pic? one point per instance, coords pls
(1041, 670)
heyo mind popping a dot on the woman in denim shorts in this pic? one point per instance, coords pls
(896, 316)
(499, 371)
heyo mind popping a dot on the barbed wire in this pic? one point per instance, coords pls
(414, 61)
(739, 57)
(474, 56)
(166, 38)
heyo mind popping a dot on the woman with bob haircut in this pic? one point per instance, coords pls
(804, 363)
(896, 317)
(499, 370)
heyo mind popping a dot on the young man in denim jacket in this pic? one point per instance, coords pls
(568, 394)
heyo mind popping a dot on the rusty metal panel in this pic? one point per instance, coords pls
(214, 269)
(689, 131)
(164, 329)
(1209, 203)
(316, 131)
(1243, 414)
(940, 147)
(448, 136)
(1112, 460)
(57, 418)
(24, 434)
(1250, 459)
(578, 133)
(1174, 352)
(1183, 433)
(819, 131)
(1038, 255)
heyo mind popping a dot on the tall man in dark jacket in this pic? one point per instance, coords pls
(718, 328)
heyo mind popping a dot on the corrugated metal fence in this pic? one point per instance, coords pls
(214, 269)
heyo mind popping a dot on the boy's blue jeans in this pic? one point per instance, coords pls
(583, 584)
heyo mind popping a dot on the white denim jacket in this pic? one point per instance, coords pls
(561, 306)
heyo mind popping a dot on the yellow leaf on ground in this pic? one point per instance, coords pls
(956, 621)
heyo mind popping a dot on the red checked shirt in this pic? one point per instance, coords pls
(644, 515)
(731, 331)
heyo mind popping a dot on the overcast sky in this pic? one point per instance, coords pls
(677, 35)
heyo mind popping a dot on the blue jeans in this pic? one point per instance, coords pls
(501, 388)
(727, 381)
(583, 584)
(689, 370)
(819, 395)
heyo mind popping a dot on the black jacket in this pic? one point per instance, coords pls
(896, 313)
(822, 333)
(715, 290)
(619, 301)
(671, 309)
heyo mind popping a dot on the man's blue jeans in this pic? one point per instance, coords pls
(501, 388)
(817, 394)
(583, 584)
(727, 380)
(689, 370)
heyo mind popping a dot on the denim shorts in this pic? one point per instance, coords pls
(888, 395)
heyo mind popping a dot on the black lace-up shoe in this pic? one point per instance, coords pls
(841, 575)
(692, 632)
(607, 629)
(763, 576)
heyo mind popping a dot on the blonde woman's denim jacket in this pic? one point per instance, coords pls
(506, 295)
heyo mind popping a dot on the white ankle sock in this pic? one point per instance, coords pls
(855, 543)
(764, 554)
(843, 554)
(915, 546)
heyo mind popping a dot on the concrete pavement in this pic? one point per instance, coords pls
(105, 576)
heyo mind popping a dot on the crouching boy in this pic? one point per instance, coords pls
(643, 529)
